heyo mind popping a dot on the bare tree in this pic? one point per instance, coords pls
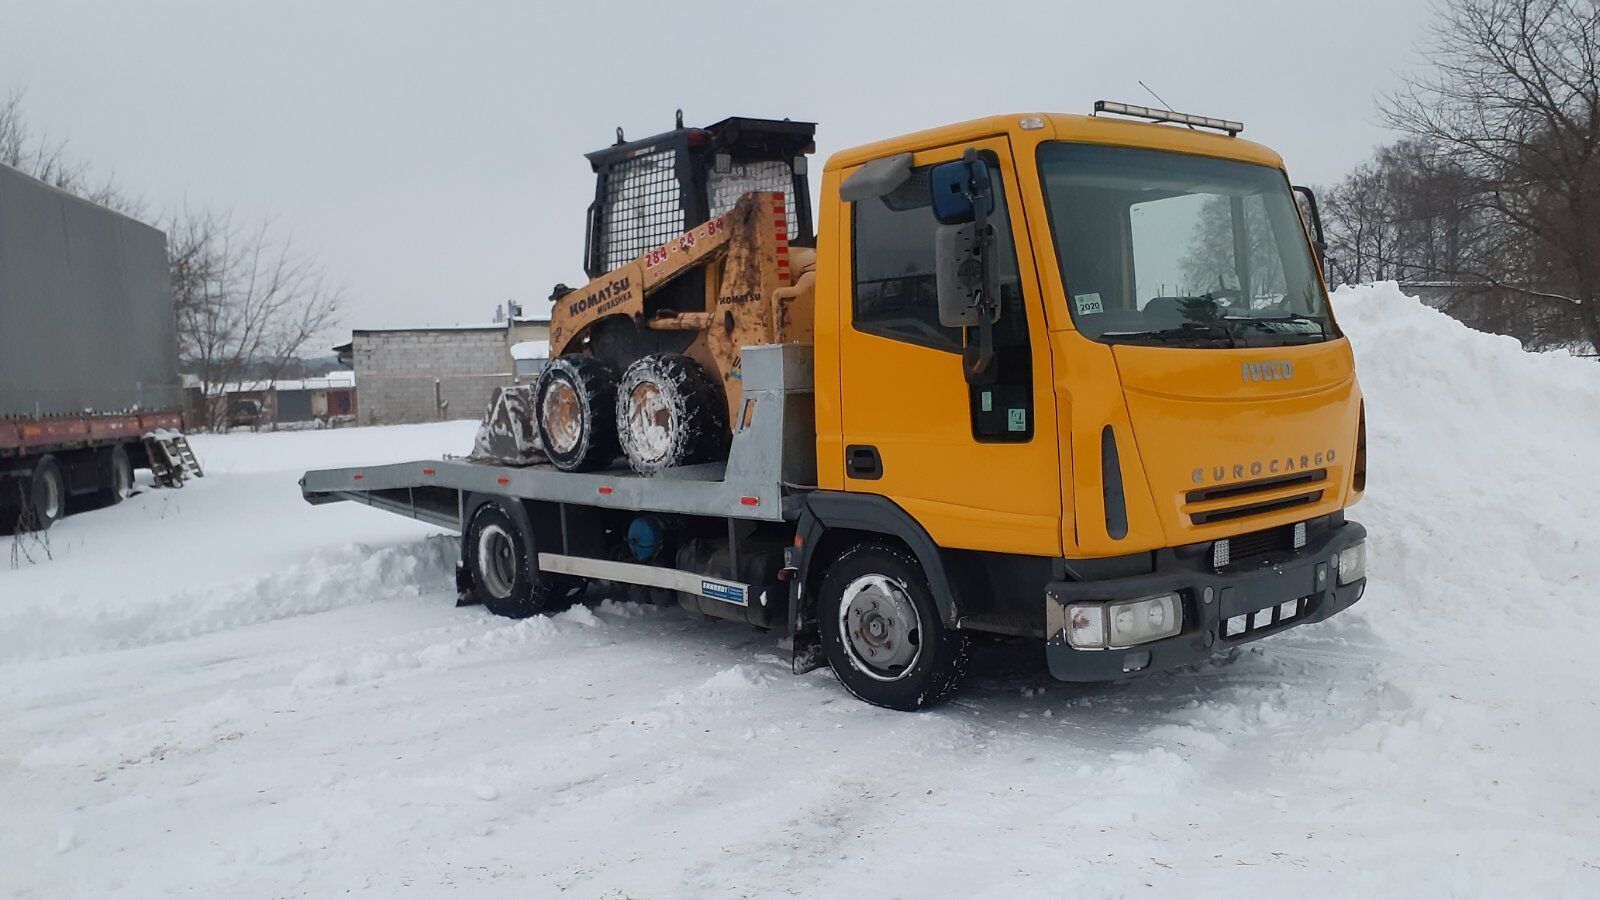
(247, 303)
(50, 162)
(1513, 107)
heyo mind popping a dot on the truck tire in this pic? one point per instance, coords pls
(881, 630)
(118, 476)
(503, 563)
(47, 495)
(573, 405)
(669, 414)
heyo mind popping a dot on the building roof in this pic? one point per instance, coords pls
(530, 350)
(331, 381)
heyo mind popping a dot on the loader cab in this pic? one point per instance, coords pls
(650, 191)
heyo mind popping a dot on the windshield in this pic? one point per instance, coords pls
(1168, 248)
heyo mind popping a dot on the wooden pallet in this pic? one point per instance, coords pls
(172, 460)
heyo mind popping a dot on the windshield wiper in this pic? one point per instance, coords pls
(1321, 323)
(1183, 332)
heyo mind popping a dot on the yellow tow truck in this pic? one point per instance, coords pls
(1063, 378)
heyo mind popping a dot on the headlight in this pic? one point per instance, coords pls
(1097, 626)
(1353, 563)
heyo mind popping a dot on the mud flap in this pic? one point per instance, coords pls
(802, 641)
(463, 586)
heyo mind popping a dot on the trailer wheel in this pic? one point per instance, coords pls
(573, 401)
(47, 495)
(669, 414)
(119, 476)
(502, 560)
(881, 630)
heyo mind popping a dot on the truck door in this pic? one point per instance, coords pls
(977, 466)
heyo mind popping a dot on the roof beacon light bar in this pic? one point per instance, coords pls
(1164, 115)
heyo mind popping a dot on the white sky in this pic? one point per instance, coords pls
(431, 153)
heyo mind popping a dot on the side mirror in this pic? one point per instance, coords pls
(964, 274)
(954, 184)
(1306, 201)
(958, 269)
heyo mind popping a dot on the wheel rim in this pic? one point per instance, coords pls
(52, 495)
(649, 421)
(562, 416)
(497, 561)
(882, 633)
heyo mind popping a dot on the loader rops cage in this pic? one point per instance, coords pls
(650, 191)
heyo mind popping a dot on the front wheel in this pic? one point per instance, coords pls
(573, 409)
(503, 562)
(882, 632)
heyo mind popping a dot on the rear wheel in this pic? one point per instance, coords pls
(47, 495)
(573, 409)
(882, 632)
(503, 562)
(118, 475)
(669, 414)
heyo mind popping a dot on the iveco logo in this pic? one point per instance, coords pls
(1271, 370)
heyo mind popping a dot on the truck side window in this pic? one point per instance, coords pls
(892, 245)
(896, 297)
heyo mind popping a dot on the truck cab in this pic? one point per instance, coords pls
(1159, 455)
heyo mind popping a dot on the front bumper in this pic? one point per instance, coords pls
(1307, 579)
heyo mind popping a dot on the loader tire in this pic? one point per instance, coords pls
(669, 414)
(573, 406)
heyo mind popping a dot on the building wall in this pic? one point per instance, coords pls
(397, 371)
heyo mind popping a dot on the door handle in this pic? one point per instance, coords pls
(862, 461)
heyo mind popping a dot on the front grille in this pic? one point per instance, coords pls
(1255, 545)
(1252, 624)
(1245, 550)
(1247, 490)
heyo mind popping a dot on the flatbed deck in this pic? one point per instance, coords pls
(771, 462)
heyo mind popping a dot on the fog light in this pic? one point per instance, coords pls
(1353, 563)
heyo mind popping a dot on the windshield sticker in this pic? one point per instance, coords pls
(988, 401)
(1017, 419)
(1088, 303)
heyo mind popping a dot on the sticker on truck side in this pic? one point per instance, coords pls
(724, 591)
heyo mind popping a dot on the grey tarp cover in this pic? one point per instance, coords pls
(86, 313)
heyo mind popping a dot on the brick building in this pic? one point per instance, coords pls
(427, 374)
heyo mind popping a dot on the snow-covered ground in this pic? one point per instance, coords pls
(226, 691)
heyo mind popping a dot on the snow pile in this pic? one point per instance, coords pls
(1482, 489)
(342, 576)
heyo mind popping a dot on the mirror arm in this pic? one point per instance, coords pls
(979, 365)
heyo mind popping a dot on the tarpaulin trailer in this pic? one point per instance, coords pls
(88, 349)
